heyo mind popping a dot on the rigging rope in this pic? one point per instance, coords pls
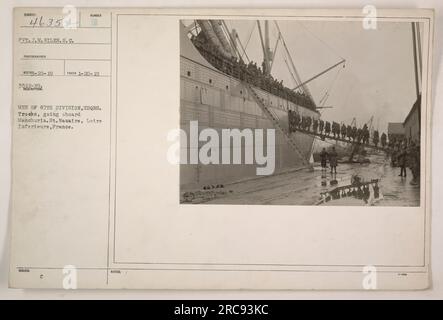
(290, 72)
(326, 96)
(275, 50)
(250, 35)
(322, 41)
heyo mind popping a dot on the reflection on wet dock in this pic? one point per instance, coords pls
(367, 192)
(374, 183)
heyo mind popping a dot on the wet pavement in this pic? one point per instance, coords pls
(379, 185)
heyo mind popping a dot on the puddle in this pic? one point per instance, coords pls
(368, 193)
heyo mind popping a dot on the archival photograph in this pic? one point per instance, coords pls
(301, 112)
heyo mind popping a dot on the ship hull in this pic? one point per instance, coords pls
(219, 101)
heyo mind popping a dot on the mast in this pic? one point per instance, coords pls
(264, 40)
(267, 47)
(294, 71)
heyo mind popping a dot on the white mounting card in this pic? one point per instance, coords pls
(160, 148)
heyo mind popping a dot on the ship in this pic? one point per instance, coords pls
(217, 91)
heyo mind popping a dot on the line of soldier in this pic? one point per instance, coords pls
(250, 73)
(404, 153)
(334, 130)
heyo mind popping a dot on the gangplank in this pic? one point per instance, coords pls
(323, 136)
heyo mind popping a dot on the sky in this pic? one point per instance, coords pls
(378, 79)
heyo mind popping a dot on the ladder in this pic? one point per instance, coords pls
(275, 120)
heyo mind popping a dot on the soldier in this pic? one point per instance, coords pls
(236, 68)
(401, 159)
(315, 125)
(321, 126)
(366, 193)
(336, 130)
(290, 119)
(323, 157)
(414, 163)
(365, 134)
(343, 131)
(303, 122)
(376, 191)
(349, 132)
(383, 140)
(333, 160)
(375, 138)
(359, 135)
(243, 72)
(297, 120)
(308, 123)
(354, 133)
(333, 128)
(327, 128)
(391, 142)
(263, 66)
(251, 67)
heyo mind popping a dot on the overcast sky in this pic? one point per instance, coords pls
(379, 76)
